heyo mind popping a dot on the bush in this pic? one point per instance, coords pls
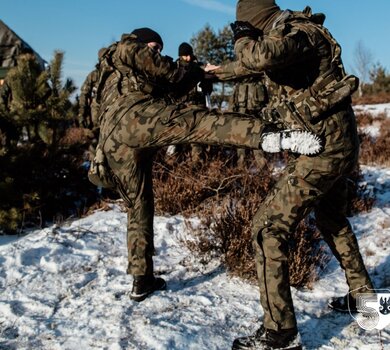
(235, 194)
(42, 185)
(374, 150)
(182, 185)
(369, 99)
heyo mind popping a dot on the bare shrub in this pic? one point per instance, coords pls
(375, 151)
(232, 239)
(226, 197)
(307, 255)
(235, 194)
(382, 97)
(364, 119)
(230, 228)
(76, 136)
(181, 185)
(360, 198)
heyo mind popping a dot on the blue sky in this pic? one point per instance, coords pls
(81, 27)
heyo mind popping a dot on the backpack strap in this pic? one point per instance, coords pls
(106, 67)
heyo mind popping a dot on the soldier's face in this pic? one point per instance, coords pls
(155, 46)
(186, 58)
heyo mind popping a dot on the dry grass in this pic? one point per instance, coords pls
(233, 195)
(376, 151)
(76, 136)
(184, 186)
(307, 254)
(372, 99)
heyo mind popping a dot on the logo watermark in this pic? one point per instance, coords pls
(373, 309)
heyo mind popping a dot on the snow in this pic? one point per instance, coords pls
(375, 109)
(65, 287)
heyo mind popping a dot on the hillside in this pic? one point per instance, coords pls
(65, 287)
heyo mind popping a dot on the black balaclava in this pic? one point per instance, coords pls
(259, 13)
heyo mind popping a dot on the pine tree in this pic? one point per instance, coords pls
(59, 109)
(24, 96)
(380, 80)
(215, 48)
(37, 104)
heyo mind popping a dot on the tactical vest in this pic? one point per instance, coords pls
(115, 80)
(249, 95)
(304, 107)
(106, 68)
(119, 79)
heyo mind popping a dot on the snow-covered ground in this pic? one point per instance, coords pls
(374, 129)
(65, 288)
(375, 110)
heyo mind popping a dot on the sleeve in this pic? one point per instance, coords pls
(233, 71)
(272, 52)
(150, 63)
(86, 91)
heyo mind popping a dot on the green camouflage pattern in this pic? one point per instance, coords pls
(88, 106)
(137, 117)
(308, 183)
(298, 56)
(249, 97)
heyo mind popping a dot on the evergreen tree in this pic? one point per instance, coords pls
(59, 109)
(38, 171)
(216, 48)
(380, 80)
(23, 96)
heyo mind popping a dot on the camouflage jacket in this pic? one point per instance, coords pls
(302, 65)
(87, 98)
(139, 73)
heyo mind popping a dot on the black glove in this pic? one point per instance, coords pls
(241, 29)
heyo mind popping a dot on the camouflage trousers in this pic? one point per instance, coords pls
(308, 183)
(131, 138)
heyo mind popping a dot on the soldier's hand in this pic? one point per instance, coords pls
(209, 68)
(244, 29)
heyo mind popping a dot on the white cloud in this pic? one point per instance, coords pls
(213, 5)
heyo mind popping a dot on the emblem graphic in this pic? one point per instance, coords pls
(373, 310)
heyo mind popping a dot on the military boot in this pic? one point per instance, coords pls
(343, 304)
(266, 339)
(146, 285)
(297, 141)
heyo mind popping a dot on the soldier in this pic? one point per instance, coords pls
(198, 94)
(87, 98)
(137, 118)
(307, 86)
(88, 106)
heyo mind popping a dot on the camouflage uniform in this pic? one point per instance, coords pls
(302, 64)
(88, 107)
(249, 97)
(136, 118)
